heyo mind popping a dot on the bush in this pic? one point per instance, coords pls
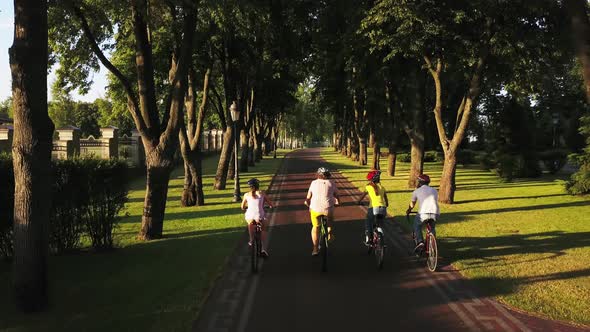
(70, 195)
(468, 157)
(554, 160)
(87, 195)
(579, 182)
(510, 166)
(107, 186)
(6, 205)
(404, 157)
(433, 156)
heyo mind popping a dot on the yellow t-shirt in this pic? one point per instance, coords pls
(374, 199)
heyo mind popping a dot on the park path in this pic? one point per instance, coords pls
(291, 294)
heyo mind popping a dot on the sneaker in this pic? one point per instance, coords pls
(315, 252)
(368, 241)
(249, 243)
(419, 247)
(264, 254)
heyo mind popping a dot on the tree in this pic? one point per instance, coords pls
(160, 138)
(31, 153)
(578, 11)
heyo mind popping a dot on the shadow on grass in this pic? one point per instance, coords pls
(491, 250)
(506, 198)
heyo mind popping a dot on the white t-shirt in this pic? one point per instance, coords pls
(427, 198)
(322, 195)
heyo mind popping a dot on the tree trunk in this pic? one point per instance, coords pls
(156, 194)
(198, 180)
(244, 138)
(376, 156)
(417, 162)
(224, 159)
(372, 137)
(258, 148)
(251, 145)
(446, 192)
(578, 11)
(391, 160)
(31, 152)
(189, 193)
(362, 151)
(231, 170)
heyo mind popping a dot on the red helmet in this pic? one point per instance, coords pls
(374, 175)
(424, 179)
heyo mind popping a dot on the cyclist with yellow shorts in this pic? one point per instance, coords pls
(322, 196)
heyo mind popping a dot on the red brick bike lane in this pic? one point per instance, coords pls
(292, 294)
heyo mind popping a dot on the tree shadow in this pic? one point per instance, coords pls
(506, 198)
(490, 250)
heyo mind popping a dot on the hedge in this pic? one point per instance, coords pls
(87, 195)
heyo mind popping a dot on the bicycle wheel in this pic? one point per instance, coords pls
(432, 258)
(324, 247)
(254, 252)
(379, 249)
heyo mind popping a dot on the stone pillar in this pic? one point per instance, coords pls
(205, 140)
(219, 140)
(110, 141)
(6, 134)
(139, 153)
(69, 140)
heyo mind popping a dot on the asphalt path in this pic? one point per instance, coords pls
(290, 293)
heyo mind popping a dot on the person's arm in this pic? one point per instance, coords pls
(386, 200)
(412, 203)
(308, 198)
(266, 199)
(244, 202)
(336, 196)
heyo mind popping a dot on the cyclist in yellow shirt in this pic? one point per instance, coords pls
(378, 202)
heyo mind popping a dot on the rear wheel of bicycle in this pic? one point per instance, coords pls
(379, 249)
(432, 258)
(254, 253)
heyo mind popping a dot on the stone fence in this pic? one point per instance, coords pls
(109, 145)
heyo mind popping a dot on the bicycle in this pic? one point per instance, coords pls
(430, 246)
(323, 243)
(256, 245)
(377, 245)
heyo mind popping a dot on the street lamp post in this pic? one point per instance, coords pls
(235, 116)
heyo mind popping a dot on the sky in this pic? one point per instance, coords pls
(6, 36)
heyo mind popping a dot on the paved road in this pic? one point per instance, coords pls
(291, 294)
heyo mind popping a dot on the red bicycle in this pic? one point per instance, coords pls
(430, 249)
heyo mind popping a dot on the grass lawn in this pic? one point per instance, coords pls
(143, 286)
(526, 243)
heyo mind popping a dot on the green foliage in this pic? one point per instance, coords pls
(6, 205)
(511, 138)
(554, 160)
(6, 107)
(579, 183)
(66, 112)
(87, 196)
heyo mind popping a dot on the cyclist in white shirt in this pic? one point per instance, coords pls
(321, 198)
(427, 198)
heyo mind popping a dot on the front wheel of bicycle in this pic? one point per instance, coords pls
(432, 258)
(379, 249)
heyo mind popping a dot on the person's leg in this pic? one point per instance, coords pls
(369, 224)
(329, 225)
(250, 230)
(418, 228)
(314, 230)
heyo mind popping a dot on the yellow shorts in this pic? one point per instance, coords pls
(315, 221)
